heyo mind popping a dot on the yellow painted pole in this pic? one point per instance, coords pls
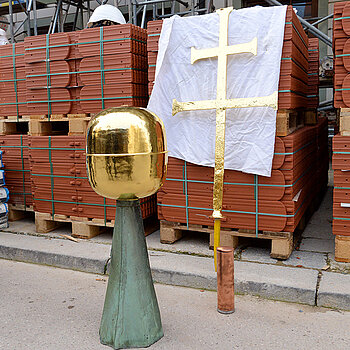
(217, 225)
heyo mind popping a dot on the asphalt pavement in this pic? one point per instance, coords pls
(46, 308)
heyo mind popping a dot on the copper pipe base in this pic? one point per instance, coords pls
(225, 280)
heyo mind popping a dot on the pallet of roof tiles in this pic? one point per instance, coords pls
(54, 78)
(341, 74)
(267, 214)
(294, 64)
(13, 100)
(64, 68)
(341, 20)
(313, 82)
(153, 33)
(58, 165)
(48, 74)
(275, 205)
(122, 68)
(341, 48)
(341, 197)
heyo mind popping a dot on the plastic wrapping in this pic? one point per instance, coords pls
(250, 132)
(3, 210)
(4, 195)
(2, 178)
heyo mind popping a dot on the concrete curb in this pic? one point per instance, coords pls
(52, 259)
(334, 291)
(268, 281)
(54, 252)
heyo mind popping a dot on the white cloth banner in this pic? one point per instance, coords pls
(250, 132)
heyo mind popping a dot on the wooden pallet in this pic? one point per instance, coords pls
(17, 118)
(342, 248)
(288, 121)
(281, 247)
(83, 227)
(12, 125)
(344, 121)
(310, 117)
(282, 243)
(71, 124)
(78, 126)
(19, 211)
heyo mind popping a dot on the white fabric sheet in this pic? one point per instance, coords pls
(250, 132)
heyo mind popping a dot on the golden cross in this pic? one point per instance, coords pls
(221, 104)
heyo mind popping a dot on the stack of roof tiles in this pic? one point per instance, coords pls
(86, 71)
(60, 184)
(15, 158)
(153, 33)
(313, 74)
(293, 84)
(47, 74)
(67, 73)
(341, 194)
(13, 100)
(341, 48)
(276, 203)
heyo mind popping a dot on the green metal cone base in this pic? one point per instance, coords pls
(131, 315)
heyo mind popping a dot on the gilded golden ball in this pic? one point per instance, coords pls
(126, 153)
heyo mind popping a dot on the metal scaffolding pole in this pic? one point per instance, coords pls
(143, 16)
(134, 13)
(56, 15)
(89, 8)
(75, 18)
(323, 37)
(11, 21)
(130, 9)
(321, 20)
(27, 11)
(35, 18)
(65, 16)
(81, 7)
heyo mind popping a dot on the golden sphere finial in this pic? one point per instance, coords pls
(126, 153)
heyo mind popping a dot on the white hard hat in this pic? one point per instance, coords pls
(3, 38)
(107, 12)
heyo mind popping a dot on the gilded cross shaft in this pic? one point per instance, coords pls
(221, 104)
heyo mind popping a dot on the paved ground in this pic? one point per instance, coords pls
(310, 276)
(316, 250)
(45, 308)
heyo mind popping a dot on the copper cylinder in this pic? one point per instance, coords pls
(225, 280)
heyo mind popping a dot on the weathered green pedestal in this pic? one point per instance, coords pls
(131, 315)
